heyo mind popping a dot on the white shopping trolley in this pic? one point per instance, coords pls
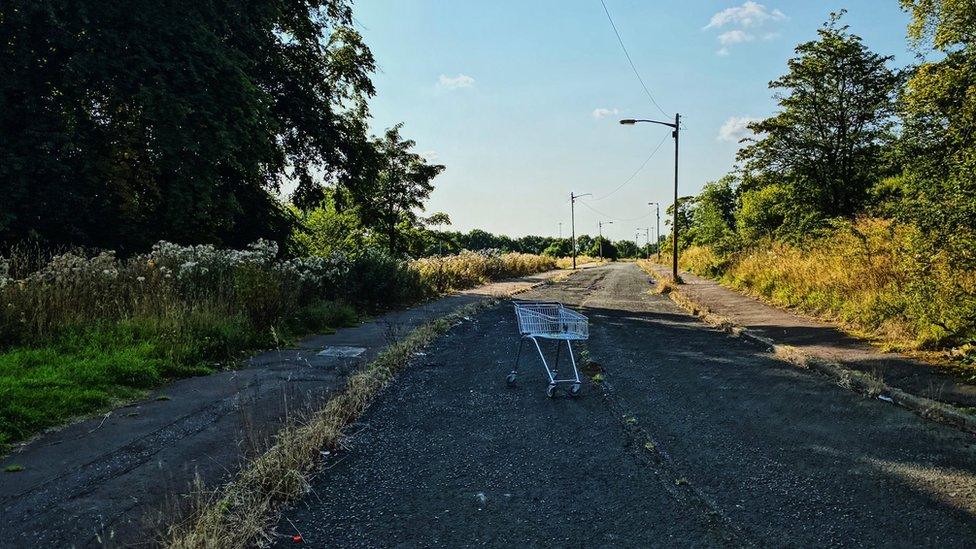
(550, 320)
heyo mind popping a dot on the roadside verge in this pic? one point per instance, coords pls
(100, 480)
(818, 347)
(241, 512)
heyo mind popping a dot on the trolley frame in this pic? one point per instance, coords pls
(554, 321)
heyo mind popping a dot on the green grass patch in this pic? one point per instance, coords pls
(87, 369)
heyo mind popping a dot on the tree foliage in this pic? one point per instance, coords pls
(836, 112)
(939, 142)
(389, 201)
(124, 123)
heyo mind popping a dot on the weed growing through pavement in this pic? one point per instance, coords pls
(241, 512)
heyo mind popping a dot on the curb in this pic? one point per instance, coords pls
(845, 377)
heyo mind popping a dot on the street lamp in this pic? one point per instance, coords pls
(647, 240)
(572, 219)
(657, 243)
(599, 229)
(675, 130)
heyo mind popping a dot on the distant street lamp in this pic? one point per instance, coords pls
(599, 228)
(560, 230)
(657, 234)
(572, 219)
(675, 130)
(647, 240)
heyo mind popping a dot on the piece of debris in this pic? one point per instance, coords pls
(13, 468)
(164, 397)
(886, 398)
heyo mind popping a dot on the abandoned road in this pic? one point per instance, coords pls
(694, 438)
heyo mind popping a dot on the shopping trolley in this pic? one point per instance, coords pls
(550, 320)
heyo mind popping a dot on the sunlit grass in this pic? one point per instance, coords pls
(873, 277)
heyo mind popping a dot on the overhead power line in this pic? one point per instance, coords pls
(633, 175)
(610, 217)
(631, 61)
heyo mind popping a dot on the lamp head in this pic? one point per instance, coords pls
(628, 121)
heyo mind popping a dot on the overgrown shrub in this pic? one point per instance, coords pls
(875, 275)
(83, 331)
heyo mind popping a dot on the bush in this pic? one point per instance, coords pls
(875, 275)
(85, 331)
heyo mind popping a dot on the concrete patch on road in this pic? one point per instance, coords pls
(342, 351)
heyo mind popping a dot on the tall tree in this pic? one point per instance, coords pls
(940, 128)
(125, 122)
(713, 217)
(836, 111)
(401, 185)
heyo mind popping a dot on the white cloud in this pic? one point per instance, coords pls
(430, 156)
(603, 113)
(743, 22)
(735, 128)
(456, 82)
(749, 14)
(735, 37)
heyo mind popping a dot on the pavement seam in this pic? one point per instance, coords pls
(648, 451)
(848, 378)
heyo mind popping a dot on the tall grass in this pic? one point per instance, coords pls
(80, 332)
(469, 269)
(873, 275)
(567, 262)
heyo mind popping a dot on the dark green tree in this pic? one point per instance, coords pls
(713, 218)
(583, 243)
(389, 203)
(608, 250)
(122, 123)
(836, 112)
(939, 139)
(627, 248)
(559, 247)
(686, 206)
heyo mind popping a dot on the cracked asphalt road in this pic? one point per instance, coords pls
(694, 439)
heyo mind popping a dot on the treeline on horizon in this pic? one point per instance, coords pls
(857, 199)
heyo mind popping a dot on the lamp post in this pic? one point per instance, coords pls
(572, 219)
(647, 240)
(657, 242)
(560, 230)
(675, 131)
(599, 230)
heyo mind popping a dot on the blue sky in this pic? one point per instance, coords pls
(506, 94)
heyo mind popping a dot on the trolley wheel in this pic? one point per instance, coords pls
(510, 379)
(551, 390)
(574, 390)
